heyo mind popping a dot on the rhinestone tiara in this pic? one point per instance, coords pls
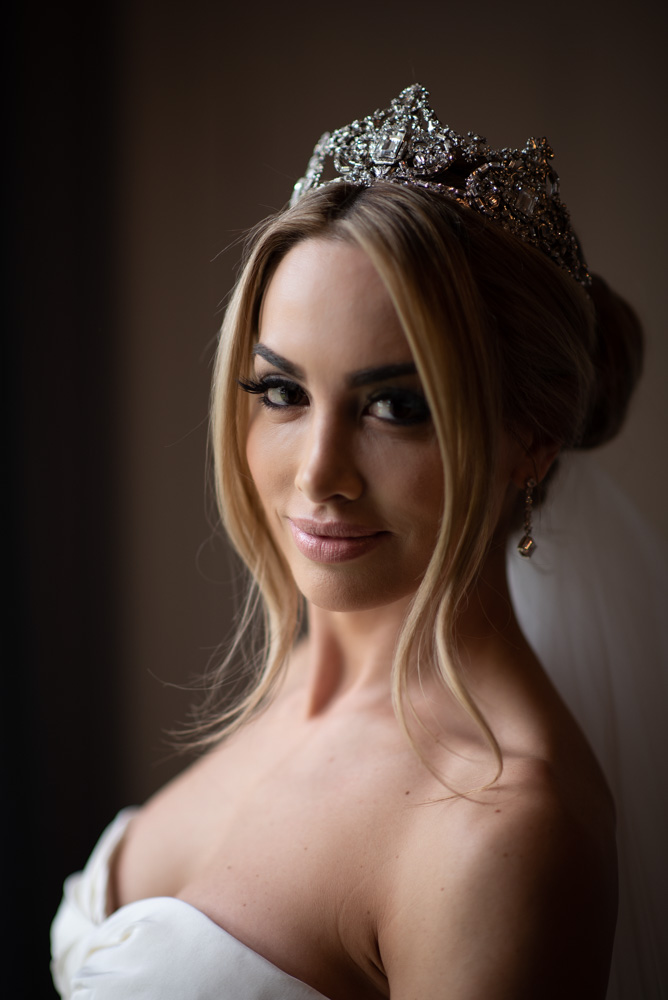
(407, 144)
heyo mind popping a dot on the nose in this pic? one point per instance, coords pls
(327, 468)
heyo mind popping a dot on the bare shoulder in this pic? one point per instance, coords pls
(510, 892)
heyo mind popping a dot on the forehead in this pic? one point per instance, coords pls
(327, 299)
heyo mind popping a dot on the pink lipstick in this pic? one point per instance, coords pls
(333, 541)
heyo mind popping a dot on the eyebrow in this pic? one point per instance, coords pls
(365, 376)
(278, 361)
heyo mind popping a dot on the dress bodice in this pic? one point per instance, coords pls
(153, 949)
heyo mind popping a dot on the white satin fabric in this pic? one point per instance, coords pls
(593, 602)
(154, 949)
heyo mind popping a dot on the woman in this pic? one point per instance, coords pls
(402, 806)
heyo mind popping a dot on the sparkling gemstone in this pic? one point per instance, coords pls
(444, 139)
(388, 147)
(526, 546)
(551, 186)
(525, 200)
(300, 188)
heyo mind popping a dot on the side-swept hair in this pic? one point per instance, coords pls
(502, 339)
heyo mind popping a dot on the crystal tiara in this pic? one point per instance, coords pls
(407, 144)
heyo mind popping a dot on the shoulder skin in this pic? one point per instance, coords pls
(511, 894)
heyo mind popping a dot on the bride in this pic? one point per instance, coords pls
(402, 804)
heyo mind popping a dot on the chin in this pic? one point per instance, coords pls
(351, 592)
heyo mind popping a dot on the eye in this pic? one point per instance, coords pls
(283, 394)
(275, 391)
(399, 406)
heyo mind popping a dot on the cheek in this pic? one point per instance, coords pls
(268, 462)
(424, 484)
(257, 456)
(409, 476)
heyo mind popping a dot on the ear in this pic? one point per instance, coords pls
(534, 464)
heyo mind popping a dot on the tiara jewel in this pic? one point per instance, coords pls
(407, 144)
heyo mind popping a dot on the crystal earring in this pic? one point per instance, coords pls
(527, 544)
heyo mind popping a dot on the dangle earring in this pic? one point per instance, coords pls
(527, 544)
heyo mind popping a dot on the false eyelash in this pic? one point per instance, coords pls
(251, 385)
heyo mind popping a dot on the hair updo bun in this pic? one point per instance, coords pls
(618, 358)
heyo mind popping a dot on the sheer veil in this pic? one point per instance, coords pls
(592, 602)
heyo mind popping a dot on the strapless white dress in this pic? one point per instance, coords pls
(153, 949)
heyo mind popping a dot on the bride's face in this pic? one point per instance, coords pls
(341, 445)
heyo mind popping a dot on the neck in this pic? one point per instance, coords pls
(351, 653)
(489, 617)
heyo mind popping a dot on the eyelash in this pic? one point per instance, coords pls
(260, 388)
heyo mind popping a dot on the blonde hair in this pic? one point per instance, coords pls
(500, 337)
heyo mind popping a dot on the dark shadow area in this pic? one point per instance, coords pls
(60, 364)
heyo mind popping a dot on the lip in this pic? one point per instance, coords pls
(333, 541)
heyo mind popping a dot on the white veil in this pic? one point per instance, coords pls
(593, 603)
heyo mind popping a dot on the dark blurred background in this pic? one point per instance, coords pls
(143, 139)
